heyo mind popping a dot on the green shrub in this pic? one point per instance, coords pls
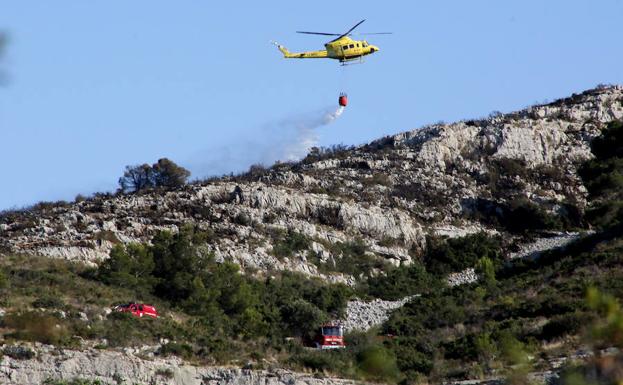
(485, 269)
(243, 219)
(400, 282)
(511, 167)
(413, 362)
(463, 348)
(48, 302)
(292, 243)
(564, 324)
(303, 317)
(316, 361)
(420, 193)
(177, 349)
(130, 266)
(165, 373)
(378, 363)
(37, 326)
(445, 256)
(352, 258)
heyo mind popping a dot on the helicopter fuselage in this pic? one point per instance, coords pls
(342, 49)
(346, 48)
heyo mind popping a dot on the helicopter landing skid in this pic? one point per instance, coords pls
(352, 62)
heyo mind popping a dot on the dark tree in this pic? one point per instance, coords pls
(164, 173)
(168, 174)
(136, 178)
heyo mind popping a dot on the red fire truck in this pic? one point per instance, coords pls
(137, 309)
(330, 336)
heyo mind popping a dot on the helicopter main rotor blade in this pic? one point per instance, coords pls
(319, 33)
(351, 30)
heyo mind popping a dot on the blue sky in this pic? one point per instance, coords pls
(94, 86)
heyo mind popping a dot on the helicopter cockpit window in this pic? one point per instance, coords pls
(345, 47)
(352, 46)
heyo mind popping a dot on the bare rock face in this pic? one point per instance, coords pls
(113, 367)
(540, 245)
(463, 277)
(388, 195)
(363, 315)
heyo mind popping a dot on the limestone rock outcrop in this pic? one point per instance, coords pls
(388, 194)
(116, 367)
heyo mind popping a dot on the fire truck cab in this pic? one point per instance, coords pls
(331, 336)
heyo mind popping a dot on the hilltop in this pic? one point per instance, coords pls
(386, 196)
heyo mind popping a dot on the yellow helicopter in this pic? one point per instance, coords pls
(342, 48)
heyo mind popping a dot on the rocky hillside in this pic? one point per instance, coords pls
(385, 197)
(110, 367)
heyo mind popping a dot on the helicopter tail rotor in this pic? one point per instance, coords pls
(281, 48)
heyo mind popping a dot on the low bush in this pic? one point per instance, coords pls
(178, 349)
(48, 301)
(564, 324)
(400, 282)
(378, 363)
(317, 361)
(37, 326)
(293, 242)
(420, 193)
(521, 215)
(165, 373)
(445, 256)
(18, 352)
(243, 219)
(352, 258)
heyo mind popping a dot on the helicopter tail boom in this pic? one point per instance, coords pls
(300, 55)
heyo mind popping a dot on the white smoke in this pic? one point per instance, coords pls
(300, 135)
(289, 139)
